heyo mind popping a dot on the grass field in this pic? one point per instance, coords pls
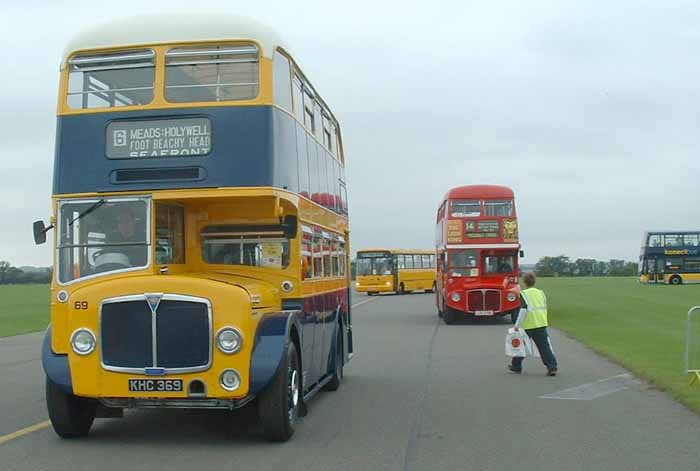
(642, 327)
(23, 308)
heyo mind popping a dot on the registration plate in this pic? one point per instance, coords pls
(484, 313)
(155, 385)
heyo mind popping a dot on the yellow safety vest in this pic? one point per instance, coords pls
(536, 308)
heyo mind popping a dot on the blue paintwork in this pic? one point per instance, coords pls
(251, 146)
(56, 366)
(270, 344)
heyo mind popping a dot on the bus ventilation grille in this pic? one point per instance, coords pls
(158, 174)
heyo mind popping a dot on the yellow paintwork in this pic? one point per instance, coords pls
(229, 288)
(374, 283)
(686, 278)
(417, 279)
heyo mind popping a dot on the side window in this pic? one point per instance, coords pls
(298, 99)
(323, 173)
(318, 120)
(426, 261)
(303, 162)
(690, 240)
(282, 76)
(656, 240)
(306, 250)
(335, 257)
(417, 261)
(170, 234)
(432, 261)
(401, 261)
(343, 257)
(309, 118)
(314, 176)
(326, 255)
(409, 261)
(317, 256)
(327, 141)
(335, 140)
(674, 240)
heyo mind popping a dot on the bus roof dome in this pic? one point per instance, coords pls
(169, 28)
(480, 191)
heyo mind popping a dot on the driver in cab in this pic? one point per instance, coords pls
(127, 249)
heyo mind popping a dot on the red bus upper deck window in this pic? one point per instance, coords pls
(465, 208)
(498, 208)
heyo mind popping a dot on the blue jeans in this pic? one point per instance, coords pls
(541, 339)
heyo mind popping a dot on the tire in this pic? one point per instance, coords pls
(370, 293)
(71, 416)
(279, 403)
(402, 289)
(337, 378)
(434, 288)
(675, 280)
(449, 315)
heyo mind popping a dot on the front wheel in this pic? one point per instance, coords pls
(278, 404)
(402, 289)
(675, 280)
(449, 315)
(71, 416)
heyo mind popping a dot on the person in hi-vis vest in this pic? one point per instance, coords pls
(533, 319)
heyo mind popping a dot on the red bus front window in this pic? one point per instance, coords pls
(463, 263)
(465, 208)
(499, 264)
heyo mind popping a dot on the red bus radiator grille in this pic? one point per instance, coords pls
(484, 300)
(475, 300)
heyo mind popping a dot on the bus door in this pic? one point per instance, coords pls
(659, 272)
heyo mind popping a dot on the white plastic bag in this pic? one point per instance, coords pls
(516, 343)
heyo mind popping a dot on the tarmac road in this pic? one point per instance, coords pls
(419, 395)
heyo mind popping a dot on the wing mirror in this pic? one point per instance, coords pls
(40, 231)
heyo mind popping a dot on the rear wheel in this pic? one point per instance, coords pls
(337, 378)
(675, 280)
(402, 289)
(278, 405)
(71, 416)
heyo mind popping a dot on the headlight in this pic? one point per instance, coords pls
(456, 297)
(83, 341)
(357, 283)
(511, 297)
(230, 380)
(229, 340)
(388, 283)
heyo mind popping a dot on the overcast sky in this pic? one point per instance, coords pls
(589, 110)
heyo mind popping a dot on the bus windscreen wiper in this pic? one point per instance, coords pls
(88, 211)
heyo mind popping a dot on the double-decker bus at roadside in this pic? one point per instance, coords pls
(477, 251)
(201, 226)
(671, 257)
(391, 270)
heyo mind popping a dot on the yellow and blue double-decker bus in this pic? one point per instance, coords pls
(201, 227)
(394, 271)
(670, 257)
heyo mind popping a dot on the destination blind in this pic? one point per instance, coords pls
(158, 138)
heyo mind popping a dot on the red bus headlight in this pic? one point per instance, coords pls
(512, 297)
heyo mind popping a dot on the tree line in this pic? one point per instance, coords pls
(10, 275)
(564, 266)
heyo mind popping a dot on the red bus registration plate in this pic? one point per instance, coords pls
(484, 313)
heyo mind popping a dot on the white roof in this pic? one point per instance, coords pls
(169, 28)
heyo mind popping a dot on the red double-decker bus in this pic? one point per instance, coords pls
(477, 251)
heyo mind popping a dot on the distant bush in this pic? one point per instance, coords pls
(564, 266)
(10, 275)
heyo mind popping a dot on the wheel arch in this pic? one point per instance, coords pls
(274, 332)
(56, 366)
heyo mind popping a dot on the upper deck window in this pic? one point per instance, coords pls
(212, 73)
(498, 208)
(109, 80)
(466, 208)
(656, 240)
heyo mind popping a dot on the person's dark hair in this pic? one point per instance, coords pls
(529, 279)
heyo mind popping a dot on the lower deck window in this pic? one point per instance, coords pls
(231, 246)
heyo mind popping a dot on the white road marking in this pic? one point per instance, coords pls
(364, 302)
(594, 390)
